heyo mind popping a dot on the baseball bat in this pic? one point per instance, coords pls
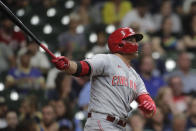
(19, 23)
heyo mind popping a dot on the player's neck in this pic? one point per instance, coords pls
(125, 59)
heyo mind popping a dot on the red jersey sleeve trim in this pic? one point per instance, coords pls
(83, 69)
(86, 69)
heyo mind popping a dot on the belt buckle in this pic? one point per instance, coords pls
(116, 120)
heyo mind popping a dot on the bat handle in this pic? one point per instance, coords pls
(48, 51)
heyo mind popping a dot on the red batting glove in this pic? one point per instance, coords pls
(148, 108)
(61, 63)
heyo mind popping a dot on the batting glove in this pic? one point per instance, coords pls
(61, 63)
(147, 107)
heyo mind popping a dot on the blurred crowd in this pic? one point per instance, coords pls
(35, 96)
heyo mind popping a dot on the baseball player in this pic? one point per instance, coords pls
(114, 83)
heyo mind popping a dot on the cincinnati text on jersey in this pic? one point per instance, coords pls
(123, 81)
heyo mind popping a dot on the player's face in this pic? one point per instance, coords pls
(132, 40)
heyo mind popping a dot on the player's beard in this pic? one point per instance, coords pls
(130, 56)
(134, 55)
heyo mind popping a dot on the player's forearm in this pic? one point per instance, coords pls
(72, 68)
(79, 68)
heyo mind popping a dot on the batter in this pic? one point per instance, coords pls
(114, 83)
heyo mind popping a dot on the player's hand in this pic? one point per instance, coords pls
(148, 108)
(61, 63)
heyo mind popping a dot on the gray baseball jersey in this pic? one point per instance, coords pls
(114, 85)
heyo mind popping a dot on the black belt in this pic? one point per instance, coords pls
(112, 119)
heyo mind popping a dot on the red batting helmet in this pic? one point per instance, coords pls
(117, 44)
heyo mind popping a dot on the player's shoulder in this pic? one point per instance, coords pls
(135, 72)
(102, 56)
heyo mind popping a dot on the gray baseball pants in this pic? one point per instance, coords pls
(98, 122)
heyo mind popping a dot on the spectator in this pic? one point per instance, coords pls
(164, 100)
(48, 122)
(83, 10)
(136, 122)
(29, 109)
(179, 122)
(64, 129)
(70, 42)
(63, 87)
(146, 50)
(178, 9)
(24, 76)
(165, 40)
(188, 15)
(27, 125)
(96, 14)
(185, 72)
(189, 6)
(113, 11)
(23, 3)
(11, 3)
(64, 91)
(136, 27)
(191, 120)
(175, 83)
(156, 123)
(7, 59)
(39, 59)
(50, 80)
(100, 46)
(84, 97)
(190, 37)
(61, 115)
(139, 15)
(3, 111)
(152, 81)
(10, 37)
(166, 11)
(12, 121)
(65, 125)
(83, 101)
(78, 83)
(60, 109)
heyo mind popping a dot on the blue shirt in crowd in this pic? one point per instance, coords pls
(84, 96)
(33, 74)
(190, 125)
(153, 84)
(17, 74)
